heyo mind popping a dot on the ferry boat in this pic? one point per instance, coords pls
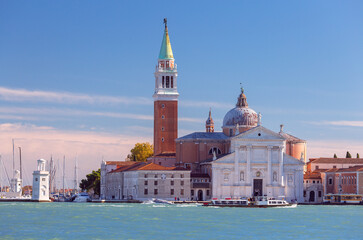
(343, 199)
(263, 202)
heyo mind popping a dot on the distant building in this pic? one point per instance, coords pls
(331, 176)
(142, 181)
(313, 187)
(343, 180)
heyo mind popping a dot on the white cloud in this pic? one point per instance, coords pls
(339, 123)
(23, 95)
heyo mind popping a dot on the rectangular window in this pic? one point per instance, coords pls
(167, 82)
(304, 193)
(155, 183)
(316, 167)
(171, 82)
(145, 192)
(145, 176)
(155, 192)
(163, 82)
(182, 183)
(167, 64)
(43, 179)
(172, 183)
(172, 176)
(171, 191)
(207, 192)
(192, 193)
(181, 191)
(181, 175)
(145, 183)
(319, 193)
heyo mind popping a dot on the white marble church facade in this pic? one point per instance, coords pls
(257, 165)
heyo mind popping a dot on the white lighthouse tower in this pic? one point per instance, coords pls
(41, 183)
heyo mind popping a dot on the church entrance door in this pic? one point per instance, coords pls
(257, 187)
(200, 195)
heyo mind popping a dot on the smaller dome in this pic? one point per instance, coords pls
(241, 114)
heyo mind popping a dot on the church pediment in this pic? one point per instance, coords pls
(258, 133)
(291, 160)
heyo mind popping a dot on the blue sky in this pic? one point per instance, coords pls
(72, 71)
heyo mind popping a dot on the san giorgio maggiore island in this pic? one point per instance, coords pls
(243, 162)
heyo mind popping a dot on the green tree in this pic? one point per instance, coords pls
(357, 155)
(92, 181)
(141, 152)
(348, 155)
(335, 156)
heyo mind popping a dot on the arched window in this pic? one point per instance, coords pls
(242, 176)
(216, 150)
(275, 177)
(330, 181)
(167, 82)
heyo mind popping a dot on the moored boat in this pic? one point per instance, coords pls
(250, 202)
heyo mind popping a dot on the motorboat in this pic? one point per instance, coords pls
(81, 197)
(160, 201)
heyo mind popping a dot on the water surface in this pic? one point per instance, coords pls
(150, 221)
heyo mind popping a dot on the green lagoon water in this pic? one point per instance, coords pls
(149, 221)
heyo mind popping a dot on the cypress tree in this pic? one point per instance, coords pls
(335, 156)
(348, 155)
(357, 155)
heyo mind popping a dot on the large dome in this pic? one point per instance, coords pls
(241, 114)
(244, 117)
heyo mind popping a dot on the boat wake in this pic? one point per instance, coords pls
(292, 206)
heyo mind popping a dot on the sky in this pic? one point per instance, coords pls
(77, 77)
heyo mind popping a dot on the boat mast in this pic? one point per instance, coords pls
(76, 177)
(21, 172)
(13, 160)
(64, 173)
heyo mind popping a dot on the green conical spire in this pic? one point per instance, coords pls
(165, 50)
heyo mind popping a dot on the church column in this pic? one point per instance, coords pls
(236, 163)
(281, 165)
(216, 185)
(269, 165)
(248, 170)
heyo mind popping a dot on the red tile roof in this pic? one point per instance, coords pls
(128, 167)
(313, 175)
(143, 166)
(350, 169)
(337, 160)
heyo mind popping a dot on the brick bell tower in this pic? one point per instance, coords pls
(165, 100)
